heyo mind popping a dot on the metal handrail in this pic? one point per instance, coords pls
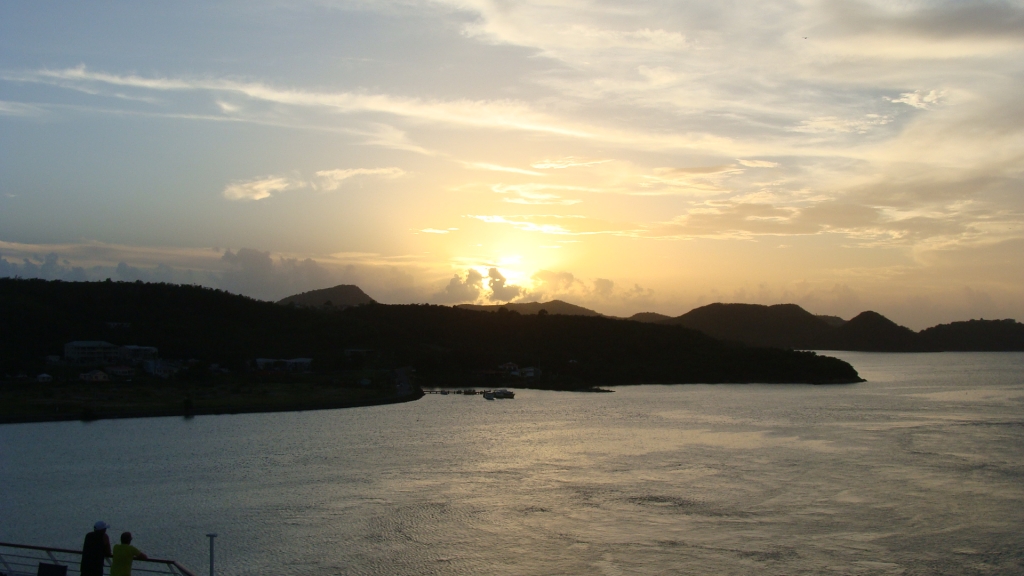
(8, 561)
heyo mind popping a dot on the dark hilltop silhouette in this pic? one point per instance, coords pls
(790, 326)
(552, 307)
(341, 296)
(780, 326)
(444, 345)
(651, 317)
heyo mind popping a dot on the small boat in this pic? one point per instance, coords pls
(488, 395)
(503, 393)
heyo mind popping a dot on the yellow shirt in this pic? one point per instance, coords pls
(123, 556)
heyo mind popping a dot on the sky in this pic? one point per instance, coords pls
(624, 156)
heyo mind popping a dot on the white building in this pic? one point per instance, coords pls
(94, 376)
(136, 355)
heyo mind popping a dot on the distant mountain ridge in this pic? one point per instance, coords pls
(527, 308)
(775, 326)
(779, 326)
(790, 326)
(444, 345)
(341, 296)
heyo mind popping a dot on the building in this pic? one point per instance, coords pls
(91, 352)
(136, 355)
(123, 372)
(94, 376)
(161, 368)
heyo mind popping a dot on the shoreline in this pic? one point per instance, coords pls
(88, 415)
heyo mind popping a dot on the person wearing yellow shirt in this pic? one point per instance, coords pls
(124, 553)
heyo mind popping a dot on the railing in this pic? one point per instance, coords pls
(24, 560)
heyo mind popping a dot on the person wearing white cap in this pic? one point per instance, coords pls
(95, 549)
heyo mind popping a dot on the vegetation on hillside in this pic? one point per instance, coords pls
(445, 345)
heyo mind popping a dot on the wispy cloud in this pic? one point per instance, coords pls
(824, 124)
(476, 113)
(558, 225)
(758, 163)
(698, 180)
(18, 109)
(327, 181)
(919, 99)
(260, 188)
(498, 168)
(567, 162)
(332, 179)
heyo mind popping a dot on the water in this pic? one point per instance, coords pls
(917, 471)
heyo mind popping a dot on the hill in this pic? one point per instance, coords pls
(780, 326)
(552, 307)
(341, 296)
(871, 332)
(975, 335)
(790, 326)
(445, 345)
(650, 317)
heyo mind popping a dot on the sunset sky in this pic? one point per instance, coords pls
(624, 156)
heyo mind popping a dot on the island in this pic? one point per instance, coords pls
(84, 350)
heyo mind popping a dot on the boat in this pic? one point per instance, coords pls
(488, 395)
(503, 393)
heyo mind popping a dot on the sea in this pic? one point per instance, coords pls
(919, 470)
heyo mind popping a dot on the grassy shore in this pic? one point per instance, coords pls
(34, 402)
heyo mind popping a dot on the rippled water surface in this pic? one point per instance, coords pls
(918, 471)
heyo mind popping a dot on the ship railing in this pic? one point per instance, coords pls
(26, 560)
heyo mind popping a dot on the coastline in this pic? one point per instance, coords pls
(87, 413)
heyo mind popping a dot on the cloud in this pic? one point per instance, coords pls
(473, 113)
(559, 225)
(567, 162)
(758, 163)
(387, 136)
(698, 180)
(256, 273)
(332, 179)
(601, 294)
(461, 290)
(227, 107)
(460, 113)
(437, 231)
(329, 180)
(501, 292)
(935, 21)
(823, 124)
(18, 109)
(540, 194)
(603, 287)
(497, 168)
(919, 99)
(260, 188)
(546, 281)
